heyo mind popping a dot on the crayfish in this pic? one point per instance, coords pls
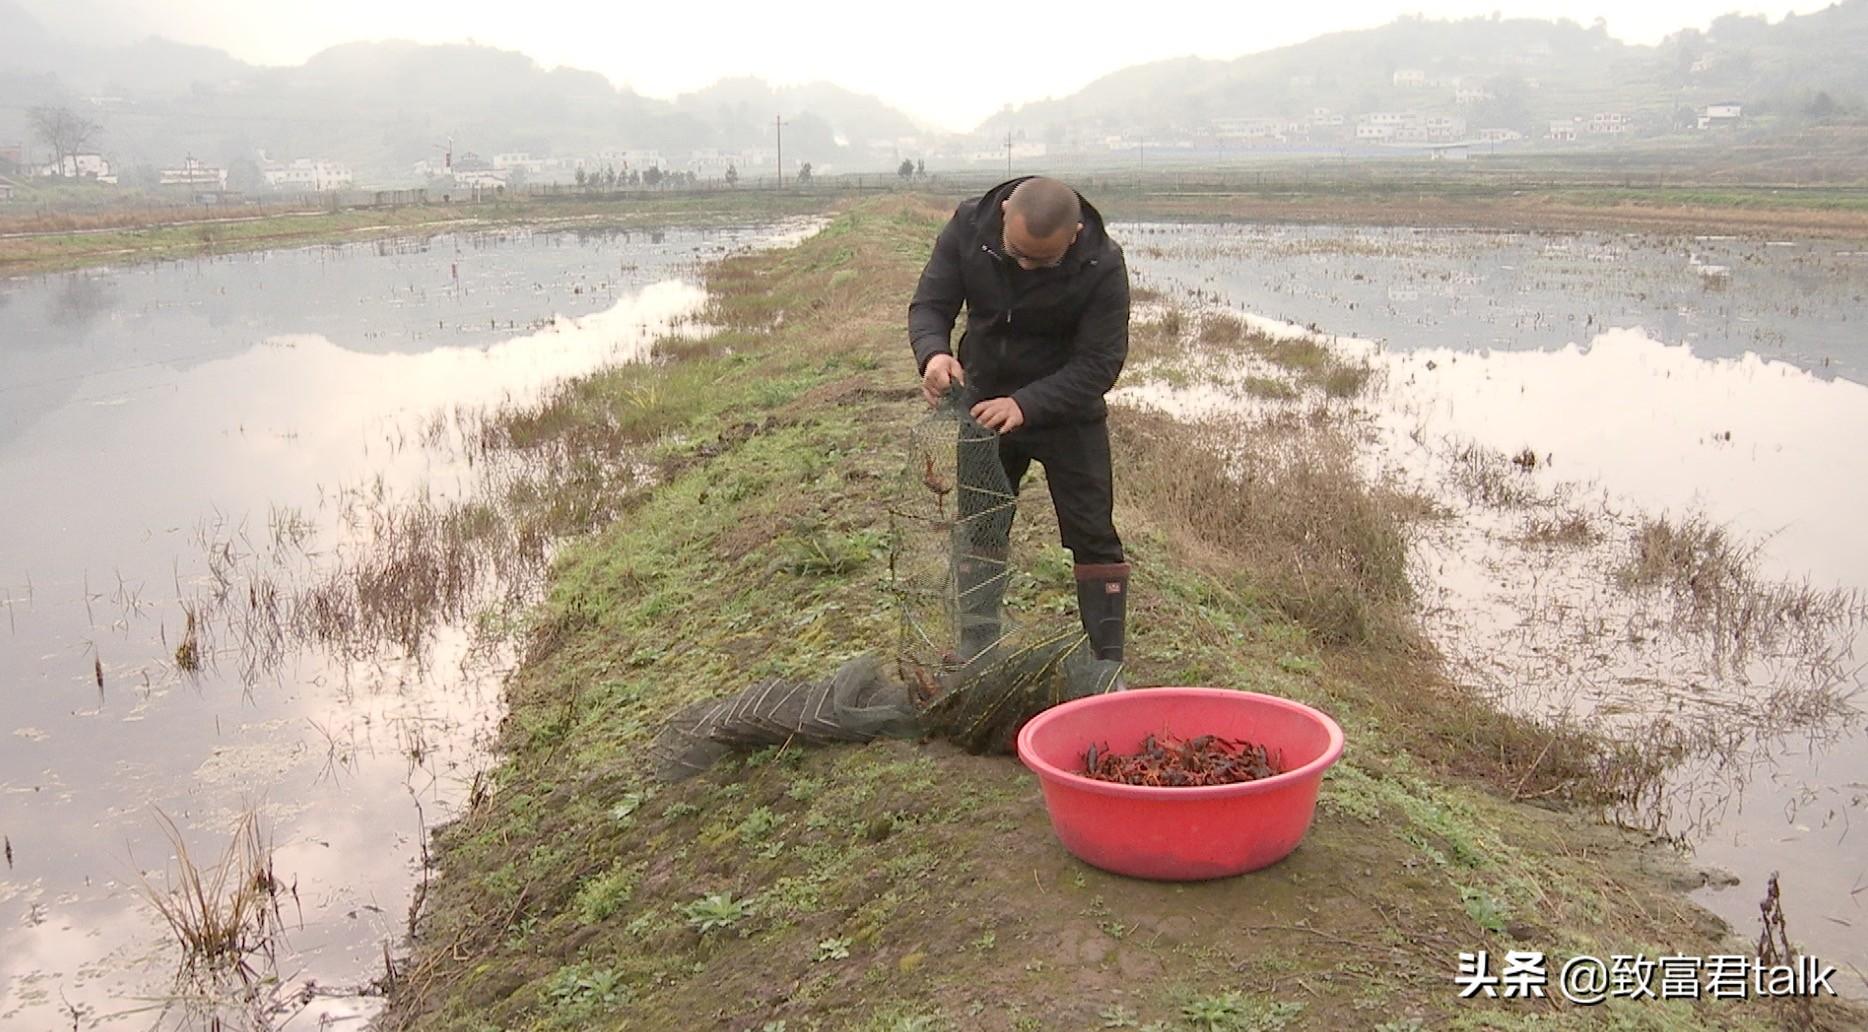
(1167, 761)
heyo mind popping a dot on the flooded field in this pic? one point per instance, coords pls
(1650, 451)
(190, 451)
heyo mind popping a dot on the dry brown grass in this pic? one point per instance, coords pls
(1692, 557)
(1270, 389)
(1548, 761)
(1490, 477)
(1566, 528)
(1158, 338)
(1345, 379)
(1174, 333)
(188, 652)
(1283, 506)
(81, 220)
(1713, 581)
(226, 916)
(1306, 357)
(1221, 329)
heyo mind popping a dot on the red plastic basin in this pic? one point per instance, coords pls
(1180, 834)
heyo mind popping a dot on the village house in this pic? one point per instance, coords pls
(485, 178)
(305, 174)
(193, 173)
(1440, 128)
(623, 160)
(520, 161)
(1607, 123)
(712, 164)
(1248, 130)
(1721, 115)
(80, 166)
(472, 170)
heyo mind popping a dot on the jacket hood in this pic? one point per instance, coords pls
(989, 219)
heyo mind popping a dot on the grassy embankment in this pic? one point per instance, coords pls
(909, 886)
(1829, 213)
(1507, 194)
(65, 240)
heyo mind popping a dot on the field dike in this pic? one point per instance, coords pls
(62, 240)
(907, 885)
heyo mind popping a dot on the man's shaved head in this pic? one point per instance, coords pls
(1047, 206)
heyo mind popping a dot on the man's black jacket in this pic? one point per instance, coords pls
(1051, 339)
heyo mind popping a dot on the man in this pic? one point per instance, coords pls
(1047, 330)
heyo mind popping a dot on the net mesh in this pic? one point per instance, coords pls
(950, 524)
(962, 669)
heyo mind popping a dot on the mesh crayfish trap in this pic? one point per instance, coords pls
(976, 676)
(962, 669)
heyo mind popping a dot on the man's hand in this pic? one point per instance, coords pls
(1000, 414)
(942, 372)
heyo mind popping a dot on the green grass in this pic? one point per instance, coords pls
(898, 884)
(214, 231)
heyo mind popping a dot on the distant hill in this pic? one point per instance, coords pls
(384, 106)
(821, 113)
(1517, 74)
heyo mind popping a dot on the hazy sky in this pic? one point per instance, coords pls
(948, 62)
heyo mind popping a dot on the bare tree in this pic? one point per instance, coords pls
(65, 131)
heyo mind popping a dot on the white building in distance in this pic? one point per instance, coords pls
(80, 166)
(630, 160)
(1607, 123)
(1721, 115)
(306, 174)
(194, 173)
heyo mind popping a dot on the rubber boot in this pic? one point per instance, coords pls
(979, 580)
(1102, 603)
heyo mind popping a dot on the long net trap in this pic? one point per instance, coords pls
(961, 669)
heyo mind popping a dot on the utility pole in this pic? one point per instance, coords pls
(1008, 153)
(778, 132)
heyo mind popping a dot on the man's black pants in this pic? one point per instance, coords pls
(1075, 457)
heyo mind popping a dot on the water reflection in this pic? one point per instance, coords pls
(1732, 390)
(248, 403)
(1765, 448)
(82, 300)
(1409, 289)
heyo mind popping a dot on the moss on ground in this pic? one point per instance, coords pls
(905, 885)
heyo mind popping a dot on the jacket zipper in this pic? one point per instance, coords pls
(1005, 280)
